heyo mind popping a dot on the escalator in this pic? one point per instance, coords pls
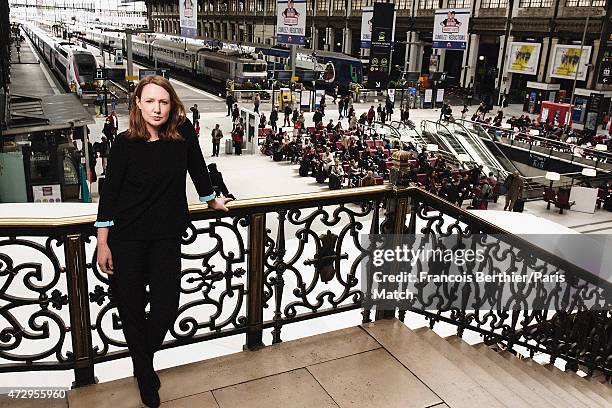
(459, 143)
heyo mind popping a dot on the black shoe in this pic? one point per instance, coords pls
(156, 380)
(148, 391)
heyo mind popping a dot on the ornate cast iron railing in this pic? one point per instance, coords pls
(269, 262)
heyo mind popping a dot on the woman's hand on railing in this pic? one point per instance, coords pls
(219, 203)
(105, 258)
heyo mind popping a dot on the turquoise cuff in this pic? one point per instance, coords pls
(207, 198)
(103, 224)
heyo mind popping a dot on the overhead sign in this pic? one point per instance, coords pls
(142, 73)
(605, 71)
(291, 21)
(524, 57)
(366, 26)
(188, 15)
(567, 59)
(383, 20)
(113, 74)
(451, 28)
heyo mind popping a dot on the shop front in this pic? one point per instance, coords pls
(40, 160)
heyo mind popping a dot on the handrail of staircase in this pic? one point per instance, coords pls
(236, 264)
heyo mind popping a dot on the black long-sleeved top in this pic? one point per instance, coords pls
(143, 197)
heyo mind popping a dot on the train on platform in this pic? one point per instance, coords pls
(239, 62)
(75, 65)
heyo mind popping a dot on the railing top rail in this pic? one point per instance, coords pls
(267, 204)
(489, 228)
(254, 204)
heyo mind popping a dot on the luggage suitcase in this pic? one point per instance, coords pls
(519, 205)
(277, 156)
(229, 146)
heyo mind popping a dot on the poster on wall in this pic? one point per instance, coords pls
(523, 58)
(291, 22)
(567, 59)
(383, 21)
(366, 26)
(434, 62)
(51, 193)
(188, 18)
(451, 28)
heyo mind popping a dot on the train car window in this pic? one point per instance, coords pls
(218, 65)
(64, 53)
(86, 64)
(253, 68)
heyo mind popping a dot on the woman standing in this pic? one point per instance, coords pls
(142, 215)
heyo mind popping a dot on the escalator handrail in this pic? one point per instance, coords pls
(482, 149)
(498, 170)
(550, 142)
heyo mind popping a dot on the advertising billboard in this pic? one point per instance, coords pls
(451, 28)
(291, 21)
(366, 26)
(523, 58)
(567, 59)
(188, 15)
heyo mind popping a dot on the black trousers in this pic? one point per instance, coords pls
(216, 148)
(136, 265)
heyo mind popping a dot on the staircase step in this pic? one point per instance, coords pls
(432, 368)
(566, 381)
(531, 391)
(587, 388)
(567, 385)
(545, 379)
(485, 376)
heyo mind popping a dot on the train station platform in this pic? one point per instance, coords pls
(30, 75)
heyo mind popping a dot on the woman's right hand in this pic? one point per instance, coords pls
(105, 259)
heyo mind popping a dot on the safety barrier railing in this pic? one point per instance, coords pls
(268, 263)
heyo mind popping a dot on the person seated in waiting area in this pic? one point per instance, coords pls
(336, 177)
(330, 126)
(338, 127)
(328, 160)
(354, 173)
(368, 180)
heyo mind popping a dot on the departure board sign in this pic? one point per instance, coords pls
(383, 21)
(451, 28)
(291, 21)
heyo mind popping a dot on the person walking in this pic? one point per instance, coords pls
(256, 102)
(515, 185)
(195, 113)
(104, 149)
(274, 119)
(340, 108)
(216, 135)
(229, 101)
(238, 138)
(287, 120)
(142, 215)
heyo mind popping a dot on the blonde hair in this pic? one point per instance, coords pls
(169, 131)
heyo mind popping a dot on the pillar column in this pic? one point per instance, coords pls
(314, 41)
(416, 52)
(442, 54)
(468, 73)
(502, 65)
(591, 73)
(347, 44)
(330, 38)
